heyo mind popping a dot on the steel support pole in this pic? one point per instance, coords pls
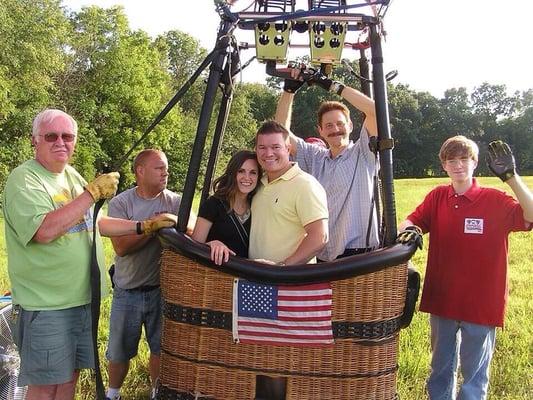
(215, 74)
(384, 135)
(223, 113)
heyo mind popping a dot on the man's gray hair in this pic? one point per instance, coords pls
(49, 115)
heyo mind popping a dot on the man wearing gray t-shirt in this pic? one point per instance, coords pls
(137, 296)
(345, 169)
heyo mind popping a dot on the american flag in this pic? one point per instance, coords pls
(282, 315)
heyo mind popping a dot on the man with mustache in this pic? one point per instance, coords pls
(346, 169)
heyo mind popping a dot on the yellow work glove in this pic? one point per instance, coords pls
(152, 225)
(104, 186)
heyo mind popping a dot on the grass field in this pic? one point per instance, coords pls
(512, 367)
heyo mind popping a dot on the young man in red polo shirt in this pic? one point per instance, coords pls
(465, 287)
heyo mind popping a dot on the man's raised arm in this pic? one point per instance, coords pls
(284, 113)
(364, 104)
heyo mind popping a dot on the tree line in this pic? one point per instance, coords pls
(115, 80)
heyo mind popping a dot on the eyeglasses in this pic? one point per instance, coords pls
(456, 161)
(52, 137)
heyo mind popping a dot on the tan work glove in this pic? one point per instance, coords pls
(104, 186)
(153, 224)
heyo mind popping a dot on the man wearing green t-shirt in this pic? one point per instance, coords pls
(48, 211)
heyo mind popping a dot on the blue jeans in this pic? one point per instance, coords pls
(130, 310)
(467, 344)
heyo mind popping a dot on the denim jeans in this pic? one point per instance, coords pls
(130, 310)
(468, 345)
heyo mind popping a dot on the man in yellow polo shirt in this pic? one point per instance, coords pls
(289, 211)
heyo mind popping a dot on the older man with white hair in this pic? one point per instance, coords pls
(48, 211)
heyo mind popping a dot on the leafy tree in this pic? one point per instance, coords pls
(240, 129)
(406, 120)
(431, 133)
(117, 84)
(262, 100)
(491, 106)
(458, 117)
(183, 55)
(32, 35)
(525, 101)
(491, 102)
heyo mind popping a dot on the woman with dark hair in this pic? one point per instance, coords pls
(224, 218)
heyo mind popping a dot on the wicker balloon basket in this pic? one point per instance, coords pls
(199, 358)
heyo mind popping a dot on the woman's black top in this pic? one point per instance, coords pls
(225, 226)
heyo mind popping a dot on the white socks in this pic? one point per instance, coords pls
(113, 393)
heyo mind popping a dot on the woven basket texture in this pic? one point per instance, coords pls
(199, 359)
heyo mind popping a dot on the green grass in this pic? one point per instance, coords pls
(512, 369)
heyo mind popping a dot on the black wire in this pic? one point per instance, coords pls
(362, 78)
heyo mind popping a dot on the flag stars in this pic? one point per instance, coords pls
(258, 299)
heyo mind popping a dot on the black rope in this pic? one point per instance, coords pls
(95, 305)
(245, 65)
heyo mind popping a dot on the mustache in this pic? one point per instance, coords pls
(336, 134)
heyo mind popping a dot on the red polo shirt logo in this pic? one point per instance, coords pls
(474, 225)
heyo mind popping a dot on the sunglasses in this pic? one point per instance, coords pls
(52, 137)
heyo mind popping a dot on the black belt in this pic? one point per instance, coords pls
(351, 252)
(144, 288)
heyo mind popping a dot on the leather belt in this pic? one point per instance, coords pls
(144, 288)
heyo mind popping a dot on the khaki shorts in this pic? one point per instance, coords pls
(52, 344)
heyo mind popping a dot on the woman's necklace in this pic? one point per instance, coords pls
(244, 216)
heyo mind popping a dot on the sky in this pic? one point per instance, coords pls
(434, 44)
